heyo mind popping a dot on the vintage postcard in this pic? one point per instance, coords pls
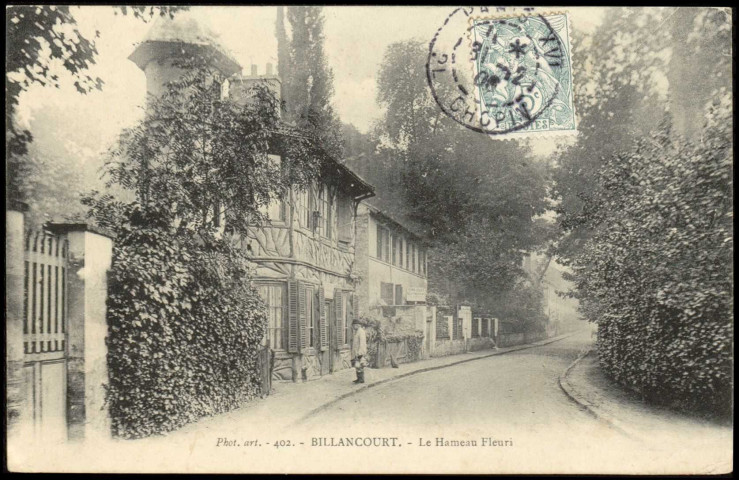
(376, 239)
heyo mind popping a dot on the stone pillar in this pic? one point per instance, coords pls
(90, 256)
(16, 413)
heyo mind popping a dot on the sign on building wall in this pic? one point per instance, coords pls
(416, 294)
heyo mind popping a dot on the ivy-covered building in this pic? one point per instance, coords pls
(304, 260)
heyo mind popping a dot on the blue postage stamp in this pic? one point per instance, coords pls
(522, 72)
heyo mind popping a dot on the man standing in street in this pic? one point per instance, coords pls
(359, 349)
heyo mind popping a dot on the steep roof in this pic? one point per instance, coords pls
(359, 187)
(185, 29)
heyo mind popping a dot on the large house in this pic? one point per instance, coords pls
(304, 264)
(392, 268)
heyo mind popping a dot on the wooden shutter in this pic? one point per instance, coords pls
(352, 307)
(399, 294)
(322, 324)
(303, 315)
(292, 324)
(339, 311)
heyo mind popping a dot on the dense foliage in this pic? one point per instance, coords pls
(648, 216)
(306, 75)
(657, 272)
(184, 328)
(475, 200)
(185, 324)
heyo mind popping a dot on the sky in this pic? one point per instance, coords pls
(356, 39)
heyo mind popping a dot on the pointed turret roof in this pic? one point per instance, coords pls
(184, 28)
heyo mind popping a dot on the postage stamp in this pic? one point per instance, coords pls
(515, 77)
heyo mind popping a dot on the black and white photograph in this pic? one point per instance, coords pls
(369, 239)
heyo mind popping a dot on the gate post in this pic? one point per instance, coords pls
(90, 256)
(16, 414)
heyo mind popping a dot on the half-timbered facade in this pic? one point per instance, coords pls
(305, 272)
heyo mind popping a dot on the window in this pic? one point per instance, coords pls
(311, 315)
(475, 327)
(344, 218)
(399, 295)
(422, 260)
(408, 256)
(326, 209)
(387, 293)
(395, 250)
(378, 253)
(303, 207)
(485, 327)
(276, 299)
(386, 244)
(383, 244)
(401, 241)
(275, 209)
(413, 258)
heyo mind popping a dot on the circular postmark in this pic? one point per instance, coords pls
(499, 75)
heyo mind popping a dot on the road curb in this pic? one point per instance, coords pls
(587, 406)
(517, 348)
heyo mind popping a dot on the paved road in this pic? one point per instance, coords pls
(512, 390)
(514, 399)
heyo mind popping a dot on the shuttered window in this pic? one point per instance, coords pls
(485, 327)
(339, 300)
(399, 295)
(275, 297)
(293, 326)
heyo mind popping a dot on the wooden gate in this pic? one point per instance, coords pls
(45, 333)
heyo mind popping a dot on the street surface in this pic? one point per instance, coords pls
(497, 414)
(515, 397)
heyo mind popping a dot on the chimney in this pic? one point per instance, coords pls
(253, 70)
(269, 69)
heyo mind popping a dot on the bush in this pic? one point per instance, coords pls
(184, 330)
(657, 271)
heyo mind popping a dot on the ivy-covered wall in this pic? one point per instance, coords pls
(184, 331)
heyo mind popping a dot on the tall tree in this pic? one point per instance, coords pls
(307, 77)
(283, 51)
(619, 100)
(474, 197)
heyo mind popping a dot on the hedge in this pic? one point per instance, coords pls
(657, 272)
(184, 331)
